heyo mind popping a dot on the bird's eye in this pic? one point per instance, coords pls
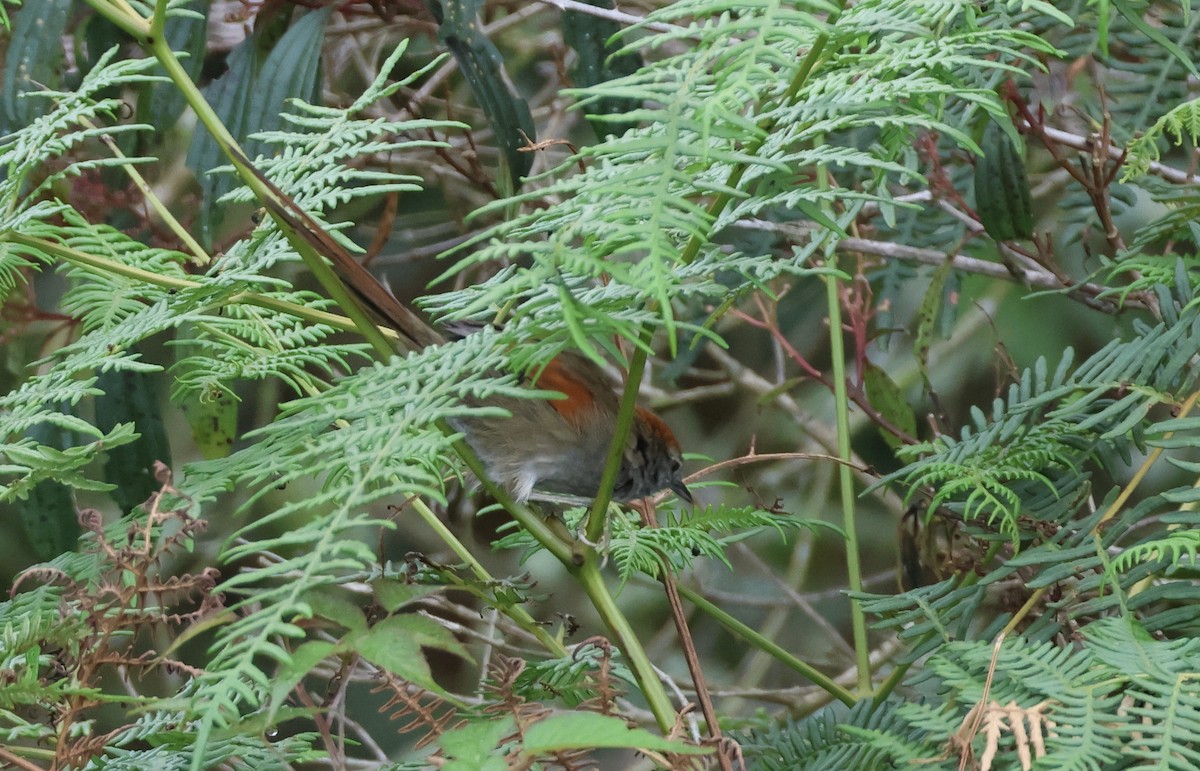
(676, 464)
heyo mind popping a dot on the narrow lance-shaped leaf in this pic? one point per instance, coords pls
(482, 67)
(131, 397)
(48, 514)
(600, 61)
(249, 99)
(33, 61)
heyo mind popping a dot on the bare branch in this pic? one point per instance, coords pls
(1090, 144)
(611, 15)
(1086, 293)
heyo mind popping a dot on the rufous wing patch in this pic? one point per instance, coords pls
(579, 401)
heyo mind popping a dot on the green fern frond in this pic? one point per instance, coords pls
(1180, 121)
(163, 740)
(76, 118)
(1058, 422)
(218, 360)
(644, 195)
(689, 535)
(101, 299)
(313, 163)
(1161, 676)
(1121, 696)
(1171, 549)
(930, 615)
(27, 462)
(372, 436)
(1139, 272)
(868, 738)
(570, 679)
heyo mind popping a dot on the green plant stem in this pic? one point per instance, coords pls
(588, 573)
(837, 354)
(106, 266)
(592, 581)
(124, 17)
(768, 646)
(594, 530)
(201, 257)
(16, 757)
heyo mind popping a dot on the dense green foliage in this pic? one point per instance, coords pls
(778, 206)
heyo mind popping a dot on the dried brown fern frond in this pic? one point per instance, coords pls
(607, 692)
(422, 708)
(505, 699)
(115, 607)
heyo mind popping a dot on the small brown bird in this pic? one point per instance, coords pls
(559, 445)
(553, 445)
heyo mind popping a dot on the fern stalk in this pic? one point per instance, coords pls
(200, 256)
(763, 643)
(616, 450)
(106, 266)
(126, 18)
(862, 651)
(841, 402)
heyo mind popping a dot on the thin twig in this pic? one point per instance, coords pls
(880, 580)
(1037, 278)
(802, 699)
(1111, 150)
(755, 457)
(688, 644)
(797, 599)
(611, 15)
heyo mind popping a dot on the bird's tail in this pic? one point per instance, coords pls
(370, 291)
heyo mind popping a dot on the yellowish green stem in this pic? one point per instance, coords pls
(200, 256)
(592, 581)
(105, 266)
(765, 644)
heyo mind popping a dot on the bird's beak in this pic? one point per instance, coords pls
(680, 489)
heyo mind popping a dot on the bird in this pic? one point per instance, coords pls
(560, 445)
(557, 446)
